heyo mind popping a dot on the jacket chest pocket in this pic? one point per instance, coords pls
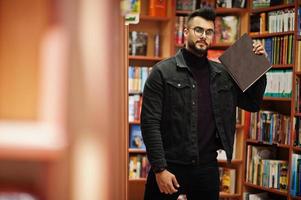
(178, 92)
(226, 96)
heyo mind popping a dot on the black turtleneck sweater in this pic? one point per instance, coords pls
(207, 143)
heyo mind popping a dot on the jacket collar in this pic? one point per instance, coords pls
(214, 70)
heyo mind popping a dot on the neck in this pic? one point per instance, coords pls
(200, 54)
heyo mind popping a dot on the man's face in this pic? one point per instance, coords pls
(199, 35)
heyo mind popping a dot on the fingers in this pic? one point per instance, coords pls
(258, 48)
(175, 182)
(168, 186)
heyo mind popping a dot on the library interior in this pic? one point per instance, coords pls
(79, 68)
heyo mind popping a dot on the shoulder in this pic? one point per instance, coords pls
(166, 63)
(165, 66)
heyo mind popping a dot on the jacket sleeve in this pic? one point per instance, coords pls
(252, 98)
(151, 116)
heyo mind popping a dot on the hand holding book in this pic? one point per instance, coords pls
(258, 49)
(245, 61)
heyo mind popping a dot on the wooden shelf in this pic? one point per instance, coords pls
(183, 12)
(30, 154)
(275, 191)
(297, 148)
(298, 73)
(34, 141)
(137, 151)
(298, 37)
(220, 46)
(282, 66)
(142, 180)
(272, 8)
(154, 18)
(233, 162)
(135, 93)
(145, 58)
(237, 11)
(296, 198)
(265, 35)
(266, 143)
(135, 122)
(226, 195)
(276, 99)
(298, 114)
(219, 11)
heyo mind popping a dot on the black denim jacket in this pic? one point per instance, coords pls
(169, 110)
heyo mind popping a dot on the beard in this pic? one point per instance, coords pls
(198, 50)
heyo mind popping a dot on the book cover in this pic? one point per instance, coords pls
(227, 180)
(226, 29)
(244, 66)
(157, 8)
(136, 140)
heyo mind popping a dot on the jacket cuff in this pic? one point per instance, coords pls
(158, 164)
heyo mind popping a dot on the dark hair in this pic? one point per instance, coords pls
(205, 12)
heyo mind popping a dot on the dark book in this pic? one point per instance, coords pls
(255, 23)
(244, 66)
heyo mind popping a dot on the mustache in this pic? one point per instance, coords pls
(203, 41)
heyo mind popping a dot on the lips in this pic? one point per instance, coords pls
(202, 42)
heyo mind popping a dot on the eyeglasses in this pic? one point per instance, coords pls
(199, 32)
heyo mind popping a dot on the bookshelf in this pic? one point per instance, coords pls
(152, 25)
(32, 139)
(284, 105)
(168, 46)
(165, 26)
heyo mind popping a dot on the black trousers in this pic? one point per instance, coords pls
(198, 182)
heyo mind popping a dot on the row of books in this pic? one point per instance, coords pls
(279, 83)
(188, 5)
(281, 21)
(135, 102)
(270, 127)
(295, 189)
(230, 3)
(138, 166)
(264, 170)
(274, 22)
(279, 49)
(226, 29)
(268, 3)
(137, 77)
(179, 29)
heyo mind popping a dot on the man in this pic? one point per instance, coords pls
(188, 113)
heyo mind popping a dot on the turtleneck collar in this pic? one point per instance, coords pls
(193, 60)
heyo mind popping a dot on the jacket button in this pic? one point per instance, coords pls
(193, 103)
(179, 84)
(193, 86)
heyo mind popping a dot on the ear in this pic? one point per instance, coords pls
(186, 32)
